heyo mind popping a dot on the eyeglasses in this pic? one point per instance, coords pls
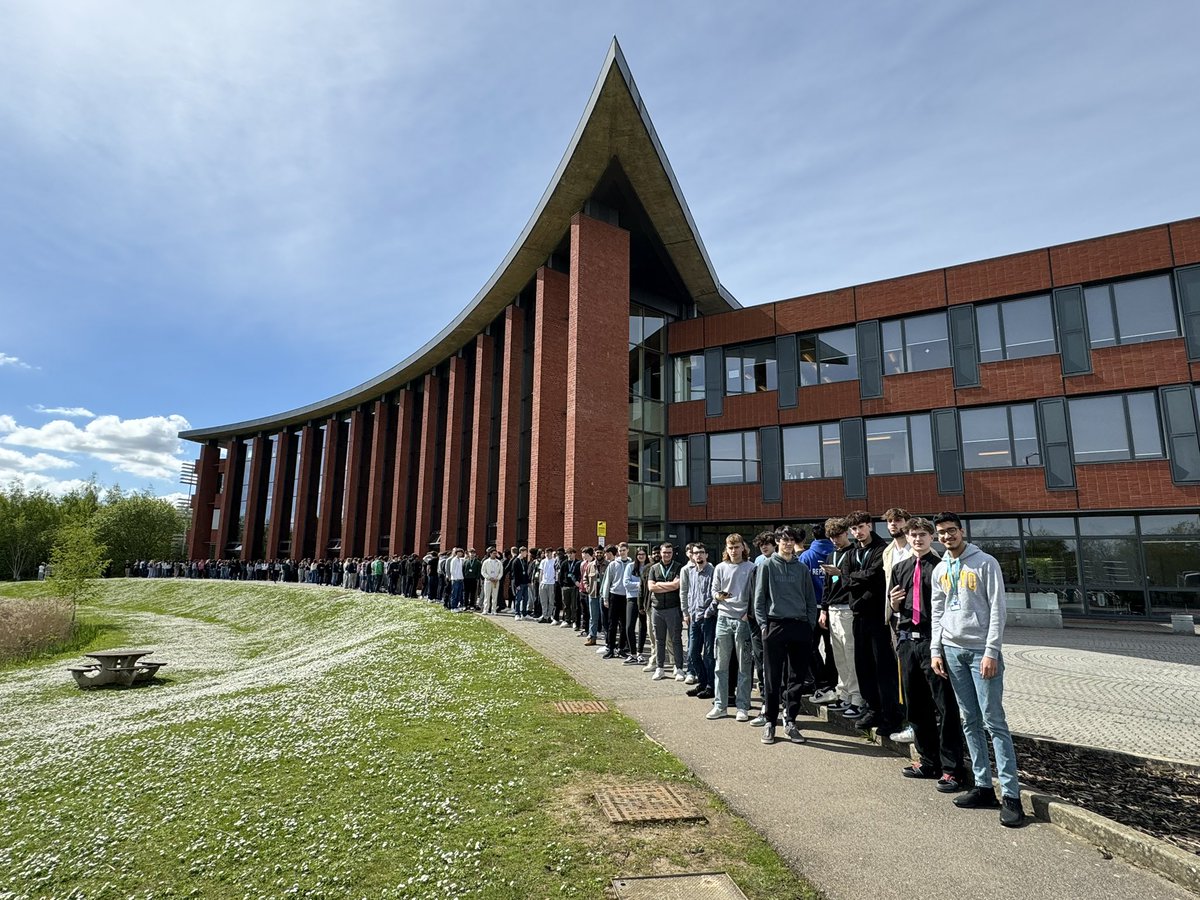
(948, 532)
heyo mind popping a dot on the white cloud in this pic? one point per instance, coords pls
(15, 461)
(15, 362)
(32, 481)
(73, 412)
(147, 448)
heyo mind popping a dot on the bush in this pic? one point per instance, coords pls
(28, 627)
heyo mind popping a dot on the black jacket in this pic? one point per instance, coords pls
(902, 574)
(863, 573)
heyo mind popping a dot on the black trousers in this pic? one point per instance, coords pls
(824, 669)
(635, 626)
(932, 709)
(875, 665)
(618, 637)
(785, 641)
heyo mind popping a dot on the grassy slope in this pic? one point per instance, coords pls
(330, 744)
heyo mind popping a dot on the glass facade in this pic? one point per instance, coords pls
(916, 344)
(1015, 329)
(647, 496)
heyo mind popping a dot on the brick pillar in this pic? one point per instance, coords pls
(333, 439)
(203, 501)
(548, 446)
(452, 468)
(598, 369)
(356, 452)
(481, 446)
(426, 515)
(231, 495)
(378, 483)
(308, 460)
(281, 503)
(510, 427)
(259, 466)
(401, 540)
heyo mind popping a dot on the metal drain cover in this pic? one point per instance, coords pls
(580, 706)
(652, 803)
(706, 886)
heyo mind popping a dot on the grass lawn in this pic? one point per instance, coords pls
(318, 743)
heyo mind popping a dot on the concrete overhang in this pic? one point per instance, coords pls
(615, 124)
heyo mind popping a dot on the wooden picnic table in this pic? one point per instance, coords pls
(121, 666)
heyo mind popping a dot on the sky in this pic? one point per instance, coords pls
(215, 212)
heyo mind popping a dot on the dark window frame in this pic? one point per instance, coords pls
(757, 459)
(1012, 440)
(908, 432)
(820, 360)
(821, 453)
(1111, 288)
(906, 368)
(737, 350)
(999, 306)
(1129, 433)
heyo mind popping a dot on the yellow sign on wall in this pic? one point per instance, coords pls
(601, 528)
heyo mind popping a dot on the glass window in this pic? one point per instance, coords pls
(986, 438)
(1112, 576)
(651, 461)
(634, 458)
(838, 355)
(652, 331)
(688, 383)
(653, 418)
(887, 445)
(652, 378)
(1171, 523)
(999, 436)
(831, 450)
(987, 328)
(679, 462)
(806, 356)
(1145, 309)
(1115, 427)
(1172, 563)
(1064, 527)
(1052, 570)
(899, 444)
(751, 368)
(733, 457)
(802, 452)
(1131, 312)
(893, 347)
(982, 528)
(1007, 552)
(1015, 329)
(926, 342)
(653, 503)
(1101, 525)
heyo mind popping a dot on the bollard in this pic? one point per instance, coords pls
(1182, 624)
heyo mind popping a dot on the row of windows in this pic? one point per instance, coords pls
(1126, 312)
(1108, 428)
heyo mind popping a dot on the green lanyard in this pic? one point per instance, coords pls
(955, 570)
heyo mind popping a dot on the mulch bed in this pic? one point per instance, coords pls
(1158, 798)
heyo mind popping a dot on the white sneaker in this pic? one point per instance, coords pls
(691, 679)
(823, 697)
(565, 625)
(659, 675)
(743, 716)
(904, 735)
(600, 651)
(717, 712)
(651, 668)
(679, 676)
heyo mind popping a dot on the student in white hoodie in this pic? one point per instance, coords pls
(491, 572)
(968, 630)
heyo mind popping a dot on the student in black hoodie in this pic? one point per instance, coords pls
(932, 709)
(874, 658)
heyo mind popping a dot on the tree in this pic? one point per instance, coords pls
(76, 561)
(138, 526)
(28, 520)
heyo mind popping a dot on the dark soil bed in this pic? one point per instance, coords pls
(1158, 798)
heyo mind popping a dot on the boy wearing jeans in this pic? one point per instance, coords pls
(968, 629)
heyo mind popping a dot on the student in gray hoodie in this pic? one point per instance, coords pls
(967, 632)
(785, 604)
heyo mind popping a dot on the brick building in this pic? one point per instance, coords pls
(1048, 396)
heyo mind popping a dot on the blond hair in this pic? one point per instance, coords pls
(734, 538)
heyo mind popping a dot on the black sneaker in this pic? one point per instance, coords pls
(853, 712)
(870, 720)
(632, 661)
(950, 783)
(768, 734)
(919, 771)
(978, 798)
(1012, 815)
(705, 694)
(837, 706)
(694, 692)
(608, 654)
(794, 734)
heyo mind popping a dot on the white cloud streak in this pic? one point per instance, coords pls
(72, 412)
(147, 447)
(13, 361)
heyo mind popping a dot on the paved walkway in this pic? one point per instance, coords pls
(838, 809)
(1122, 690)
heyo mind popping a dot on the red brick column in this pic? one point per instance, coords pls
(378, 482)
(426, 515)
(259, 466)
(401, 540)
(280, 507)
(302, 507)
(333, 439)
(452, 469)
(510, 427)
(481, 446)
(357, 449)
(598, 370)
(230, 497)
(548, 447)
(203, 501)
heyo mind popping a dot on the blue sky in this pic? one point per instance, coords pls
(212, 212)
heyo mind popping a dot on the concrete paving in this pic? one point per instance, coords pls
(1134, 691)
(838, 809)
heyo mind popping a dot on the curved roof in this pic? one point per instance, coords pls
(614, 124)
